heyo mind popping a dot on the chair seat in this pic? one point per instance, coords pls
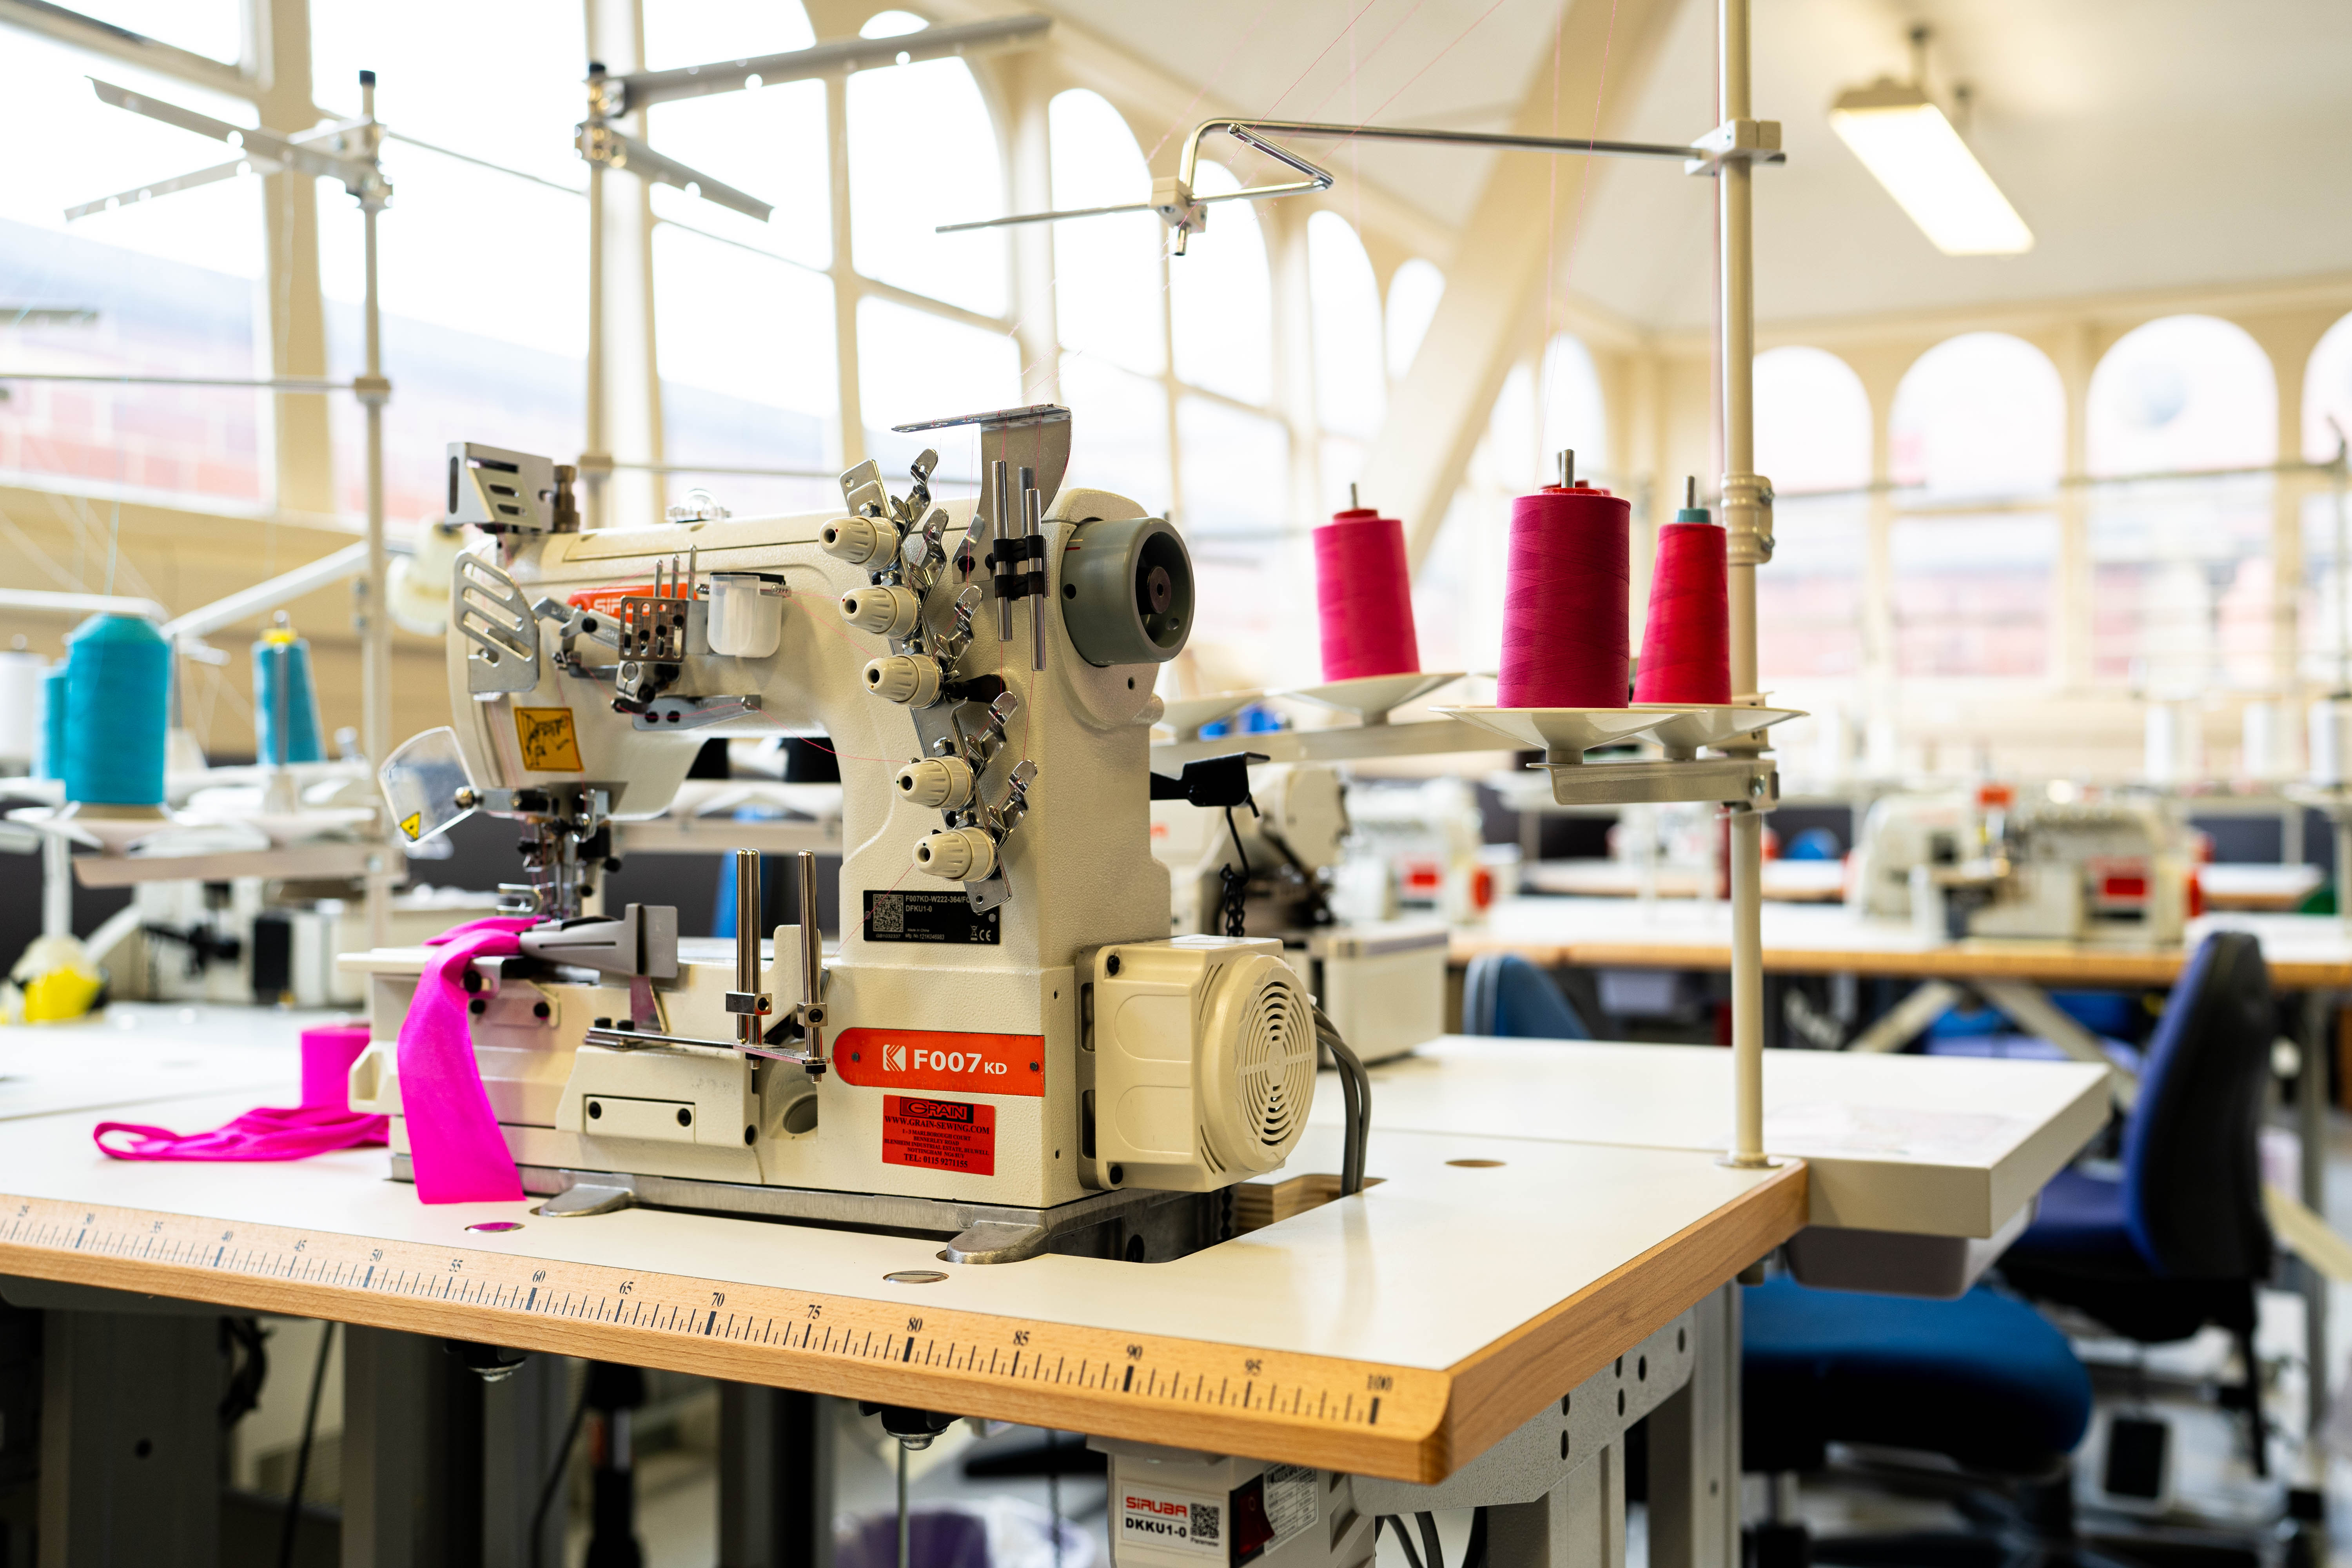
(2081, 1225)
(1984, 1380)
(2079, 1251)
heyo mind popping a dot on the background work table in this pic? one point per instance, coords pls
(2304, 952)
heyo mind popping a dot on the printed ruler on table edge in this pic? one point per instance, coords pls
(1324, 1411)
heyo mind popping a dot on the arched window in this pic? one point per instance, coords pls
(1413, 294)
(2327, 517)
(1109, 308)
(1350, 385)
(1573, 414)
(914, 366)
(768, 141)
(744, 340)
(2328, 395)
(481, 339)
(922, 151)
(1813, 435)
(1983, 415)
(1221, 299)
(1350, 378)
(1106, 270)
(2182, 570)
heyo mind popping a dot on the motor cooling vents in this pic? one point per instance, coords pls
(1204, 1062)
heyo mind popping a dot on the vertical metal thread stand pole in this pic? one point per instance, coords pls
(903, 1532)
(596, 462)
(811, 939)
(375, 631)
(1742, 519)
(1033, 527)
(1000, 531)
(749, 1026)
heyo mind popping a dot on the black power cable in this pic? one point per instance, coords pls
(1356, 1084)
(302, 1454)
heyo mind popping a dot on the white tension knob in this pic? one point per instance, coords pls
(957, 854)
(886, 611)
(912, 679)
(857, 539)
(939, 784)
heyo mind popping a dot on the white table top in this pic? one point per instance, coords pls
(138, 1054)
(1928, 1145)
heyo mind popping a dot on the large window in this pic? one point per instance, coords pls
(1543, 406)
(1981, 418)
(743, 311)
(483, 275)
(172, 287)
(2182, 582)
(1110, 305)
(1813, 439)
(922, 153)
(1350, 368)
(2327, 511)
(1413, 295)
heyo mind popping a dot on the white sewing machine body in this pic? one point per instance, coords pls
(966, 1023)
(2112, 870)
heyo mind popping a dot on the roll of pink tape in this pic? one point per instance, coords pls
(327, 1053)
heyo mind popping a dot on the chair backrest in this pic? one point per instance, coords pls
(2192, 1167)
(1503, 994)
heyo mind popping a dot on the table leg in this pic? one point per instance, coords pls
(1695, 1448)
(524, 1418)
(130, 1440)
(412, 1454)
(2311, 1112)
(1580, 1523)
(775, 1477)
(1901, 1024)
(2030, 1007)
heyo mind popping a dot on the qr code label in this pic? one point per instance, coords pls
(889, 913)
(1204, 1523)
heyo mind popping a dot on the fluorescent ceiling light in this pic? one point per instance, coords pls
(1903, 138)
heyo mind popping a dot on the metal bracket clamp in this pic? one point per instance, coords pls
(1747, 519)
(497, 619)
(1749, 141)
(1745, 781)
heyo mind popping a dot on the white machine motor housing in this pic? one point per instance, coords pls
(1202, 1051)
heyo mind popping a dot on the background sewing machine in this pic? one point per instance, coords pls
(1984, 863)
(1271, 866)
(1007, 1046)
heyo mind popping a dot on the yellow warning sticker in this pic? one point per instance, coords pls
(550, 745)
(412, 824)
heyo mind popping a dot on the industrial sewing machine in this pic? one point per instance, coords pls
(1008, 1048)
(1982, 863)
(1268, 865)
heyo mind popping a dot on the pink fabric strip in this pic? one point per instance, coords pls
(270, 1133)
(324, 1121)
(456, 1151)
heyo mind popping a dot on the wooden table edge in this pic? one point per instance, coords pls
(1501, 1385)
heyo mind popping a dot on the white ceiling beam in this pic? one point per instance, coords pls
(1439, 410)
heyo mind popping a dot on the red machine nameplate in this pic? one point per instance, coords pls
(942, 1059)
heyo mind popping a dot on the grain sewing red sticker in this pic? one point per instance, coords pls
(939, 1134)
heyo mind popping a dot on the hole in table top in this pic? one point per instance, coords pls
(1475, 1164)
(497, 1225)
(915, 1277)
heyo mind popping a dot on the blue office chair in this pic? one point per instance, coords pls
(2179, 1240)
(1503, 994)
(1984, 1381)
